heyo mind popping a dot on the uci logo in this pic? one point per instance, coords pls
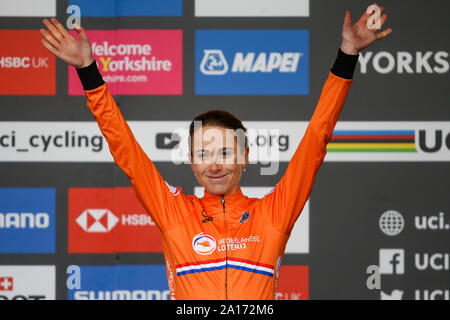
(213, 63)
(434, 142)
(204, 244)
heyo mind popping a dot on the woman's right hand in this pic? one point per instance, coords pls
(77, 52)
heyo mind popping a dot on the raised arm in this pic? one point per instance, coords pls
(157, 197)
(284, 204)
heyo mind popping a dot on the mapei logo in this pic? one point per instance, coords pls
(214, 63)
(97, 220)
(204, 244)
(276, 61)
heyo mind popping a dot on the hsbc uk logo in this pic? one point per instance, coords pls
(107, 220)
(97, 220)
(260, 62)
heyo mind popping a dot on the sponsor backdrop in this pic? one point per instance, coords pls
(70, 224)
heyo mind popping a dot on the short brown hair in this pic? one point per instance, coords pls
(219, 118)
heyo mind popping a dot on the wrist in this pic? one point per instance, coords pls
(348, 48)
(86, 63)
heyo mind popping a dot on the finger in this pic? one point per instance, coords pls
(348, 18)
(50, 47)
(372, 9)
(81, 32)
(364, 18)
(49, 38)
(383, 19)
(55, 33)
(383, 34)
(60, 27)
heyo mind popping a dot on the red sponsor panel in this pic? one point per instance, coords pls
(108, 220)
(136, 62)
(26, 67)
(293, 283)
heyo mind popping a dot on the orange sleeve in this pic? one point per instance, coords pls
(164, 204)
(284, 204)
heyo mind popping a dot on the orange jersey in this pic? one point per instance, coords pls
(222, 247)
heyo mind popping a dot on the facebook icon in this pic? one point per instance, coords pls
(392, 261)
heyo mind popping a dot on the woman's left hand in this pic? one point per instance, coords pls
(356, 37)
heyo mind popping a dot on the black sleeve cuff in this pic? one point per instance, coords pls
(90, 76)
(345, 65)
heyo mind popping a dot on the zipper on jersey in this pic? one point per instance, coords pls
(226, 249)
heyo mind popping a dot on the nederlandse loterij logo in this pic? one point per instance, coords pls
(204, 244)
(97, 220)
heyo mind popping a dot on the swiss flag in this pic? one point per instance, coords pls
(6, 284)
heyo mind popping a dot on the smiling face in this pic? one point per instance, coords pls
(217, 159)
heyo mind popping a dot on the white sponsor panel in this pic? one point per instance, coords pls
(27, 282)
(299, 240)
(27, 8)
(268, 141)
(252, 8)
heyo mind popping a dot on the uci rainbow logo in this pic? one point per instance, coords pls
(204, 244)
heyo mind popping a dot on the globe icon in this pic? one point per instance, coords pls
(391, 223)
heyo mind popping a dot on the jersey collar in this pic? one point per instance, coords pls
(232, 200)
